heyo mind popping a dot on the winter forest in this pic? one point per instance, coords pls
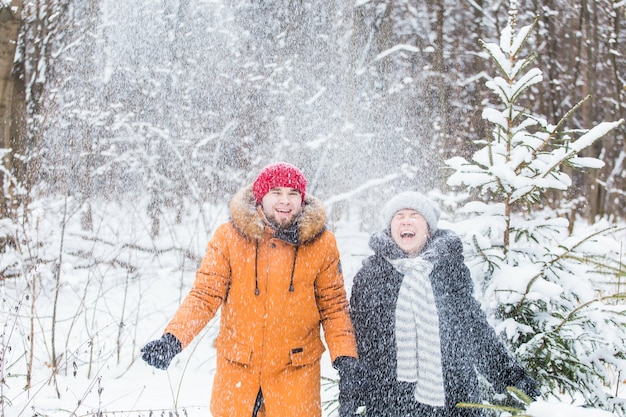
(128, 125)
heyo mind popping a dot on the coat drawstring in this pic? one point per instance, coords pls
(256, 263)
(293, 268)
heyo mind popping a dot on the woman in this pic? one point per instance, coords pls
(421, 334)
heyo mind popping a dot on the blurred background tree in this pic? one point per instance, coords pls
(182, 101)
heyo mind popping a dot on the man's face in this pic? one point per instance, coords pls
(409, 230)
(282, 206)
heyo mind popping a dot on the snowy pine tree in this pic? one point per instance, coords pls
(550, 283)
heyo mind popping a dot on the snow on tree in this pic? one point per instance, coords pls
(551, 283)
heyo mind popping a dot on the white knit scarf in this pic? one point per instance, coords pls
(417, 332)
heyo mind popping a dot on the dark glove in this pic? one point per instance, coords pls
(529, 387)
(159, 353)
(351, 382)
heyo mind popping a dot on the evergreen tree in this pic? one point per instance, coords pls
(550, 282)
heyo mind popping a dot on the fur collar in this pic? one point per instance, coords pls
(250, 223)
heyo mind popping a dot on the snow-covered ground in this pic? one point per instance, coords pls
(118, 288)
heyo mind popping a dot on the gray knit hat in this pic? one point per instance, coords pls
(415, 201)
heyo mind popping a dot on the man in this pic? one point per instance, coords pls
(275, 270)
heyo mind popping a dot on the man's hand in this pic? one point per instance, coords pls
(159, 353)
(352, 378)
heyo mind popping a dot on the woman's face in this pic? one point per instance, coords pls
(410, 231)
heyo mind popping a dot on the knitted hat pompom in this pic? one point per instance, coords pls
(415, 201)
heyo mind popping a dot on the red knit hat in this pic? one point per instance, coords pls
(280, 174)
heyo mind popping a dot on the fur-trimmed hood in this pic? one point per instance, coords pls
(248, 221)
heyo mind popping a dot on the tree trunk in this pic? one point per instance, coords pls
(441, 69)
(10, 22)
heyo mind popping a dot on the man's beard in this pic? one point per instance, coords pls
(287, 230)
(282, 225)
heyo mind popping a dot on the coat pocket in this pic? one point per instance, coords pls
(306, 354)
(233, 350)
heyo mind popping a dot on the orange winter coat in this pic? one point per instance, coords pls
(270, 340)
